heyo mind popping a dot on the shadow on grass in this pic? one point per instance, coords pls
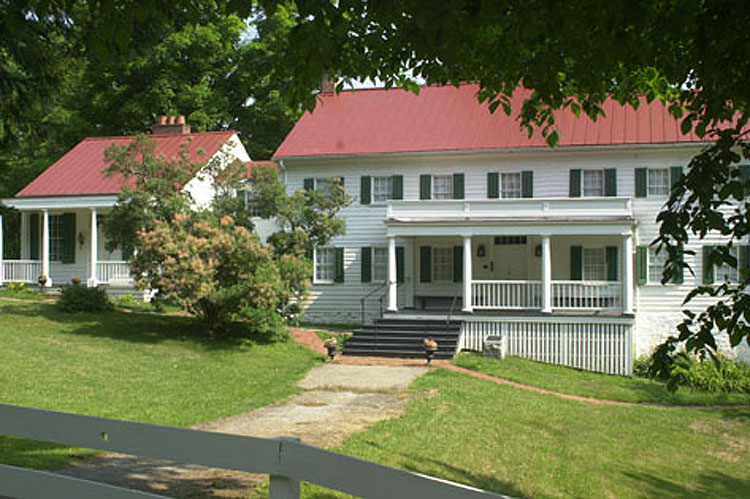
(707, 484)
(467, 477)
(741, 415)
(147, 328)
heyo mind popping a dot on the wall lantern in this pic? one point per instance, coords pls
(538, 250)
(80, 239)
(481, 251)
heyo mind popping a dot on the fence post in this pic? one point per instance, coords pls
(284, 487)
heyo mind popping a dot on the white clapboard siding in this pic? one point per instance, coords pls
(604, 347)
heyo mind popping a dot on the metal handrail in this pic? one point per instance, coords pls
(450, 311)
(365, 297)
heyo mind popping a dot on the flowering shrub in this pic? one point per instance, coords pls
(221, 273)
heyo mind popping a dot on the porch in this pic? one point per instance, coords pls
(515, 254)
(61, 238)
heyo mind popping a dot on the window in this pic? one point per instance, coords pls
(251, 202)
(382, 189)
(658, 182)
(656, 262)
(594, 264)
(326, 184)
(442, 264)
(726, 273)
(510, 240)
(510, 185)
(56, 238)
(379, 264)
(324, 265)
(442, 187)
(593, 183)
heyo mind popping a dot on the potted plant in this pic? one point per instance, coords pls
(430, 347)
(330, 345)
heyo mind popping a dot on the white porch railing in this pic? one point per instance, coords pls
(586, 294)
(115, 273)
(21, 270)
(507, 295)
(287, 462)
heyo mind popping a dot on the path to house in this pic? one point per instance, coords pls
(337, 400)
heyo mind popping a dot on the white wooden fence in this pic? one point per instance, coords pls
(113, 272)
(287, 462)
(605, 347)
(20, 270)
(586, 294)
(508, 295)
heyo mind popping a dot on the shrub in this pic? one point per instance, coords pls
(719, 374)
(79, 298)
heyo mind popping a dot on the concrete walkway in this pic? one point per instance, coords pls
(336, 401)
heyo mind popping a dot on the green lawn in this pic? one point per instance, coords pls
(527, 444)
(573, 381)
(139, 367)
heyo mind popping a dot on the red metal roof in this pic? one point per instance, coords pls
(444, 118)
(80, 171)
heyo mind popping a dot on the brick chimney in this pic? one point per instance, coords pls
(170, 125)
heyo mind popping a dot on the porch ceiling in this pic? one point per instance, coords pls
(60, 202)
(578, 226)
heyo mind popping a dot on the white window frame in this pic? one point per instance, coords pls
(725, 273)
(251, 202)
(445, 182)
(655, 261)
(586, 191)
(325, 183)
(660, 189)
(442, 271)
(511, 185)
(384, 190)
(325, 265)
(587, 266)
(56, 238)
(379, 266)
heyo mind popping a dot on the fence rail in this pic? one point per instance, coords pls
(114, 272)
(509, 295)
(26, 271)
(601, 347)
(586, 294)
(287, 462)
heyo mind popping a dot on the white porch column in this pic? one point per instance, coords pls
(467, 275)
(45, 247)
(2, 270)
(627, 274)
(546, 274)
(392, 278)
(93, 278)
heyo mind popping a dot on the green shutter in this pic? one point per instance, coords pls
(365, 184)
(397, 187)
(309, 184)
(611, 259)
(680, 277)
(68, 238)
(610, 182)
(527, 184)
(641, 182)
(425, 264)
(338, 264)
(366, 264)
(744, 260)
(641, 265)
(400, 270)
(425, 187)
(493, 185)
(458, 263)
(575, 183)
(708, 268)
(34, 237)
(458, 186)
(576, 263)
(675, 173)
